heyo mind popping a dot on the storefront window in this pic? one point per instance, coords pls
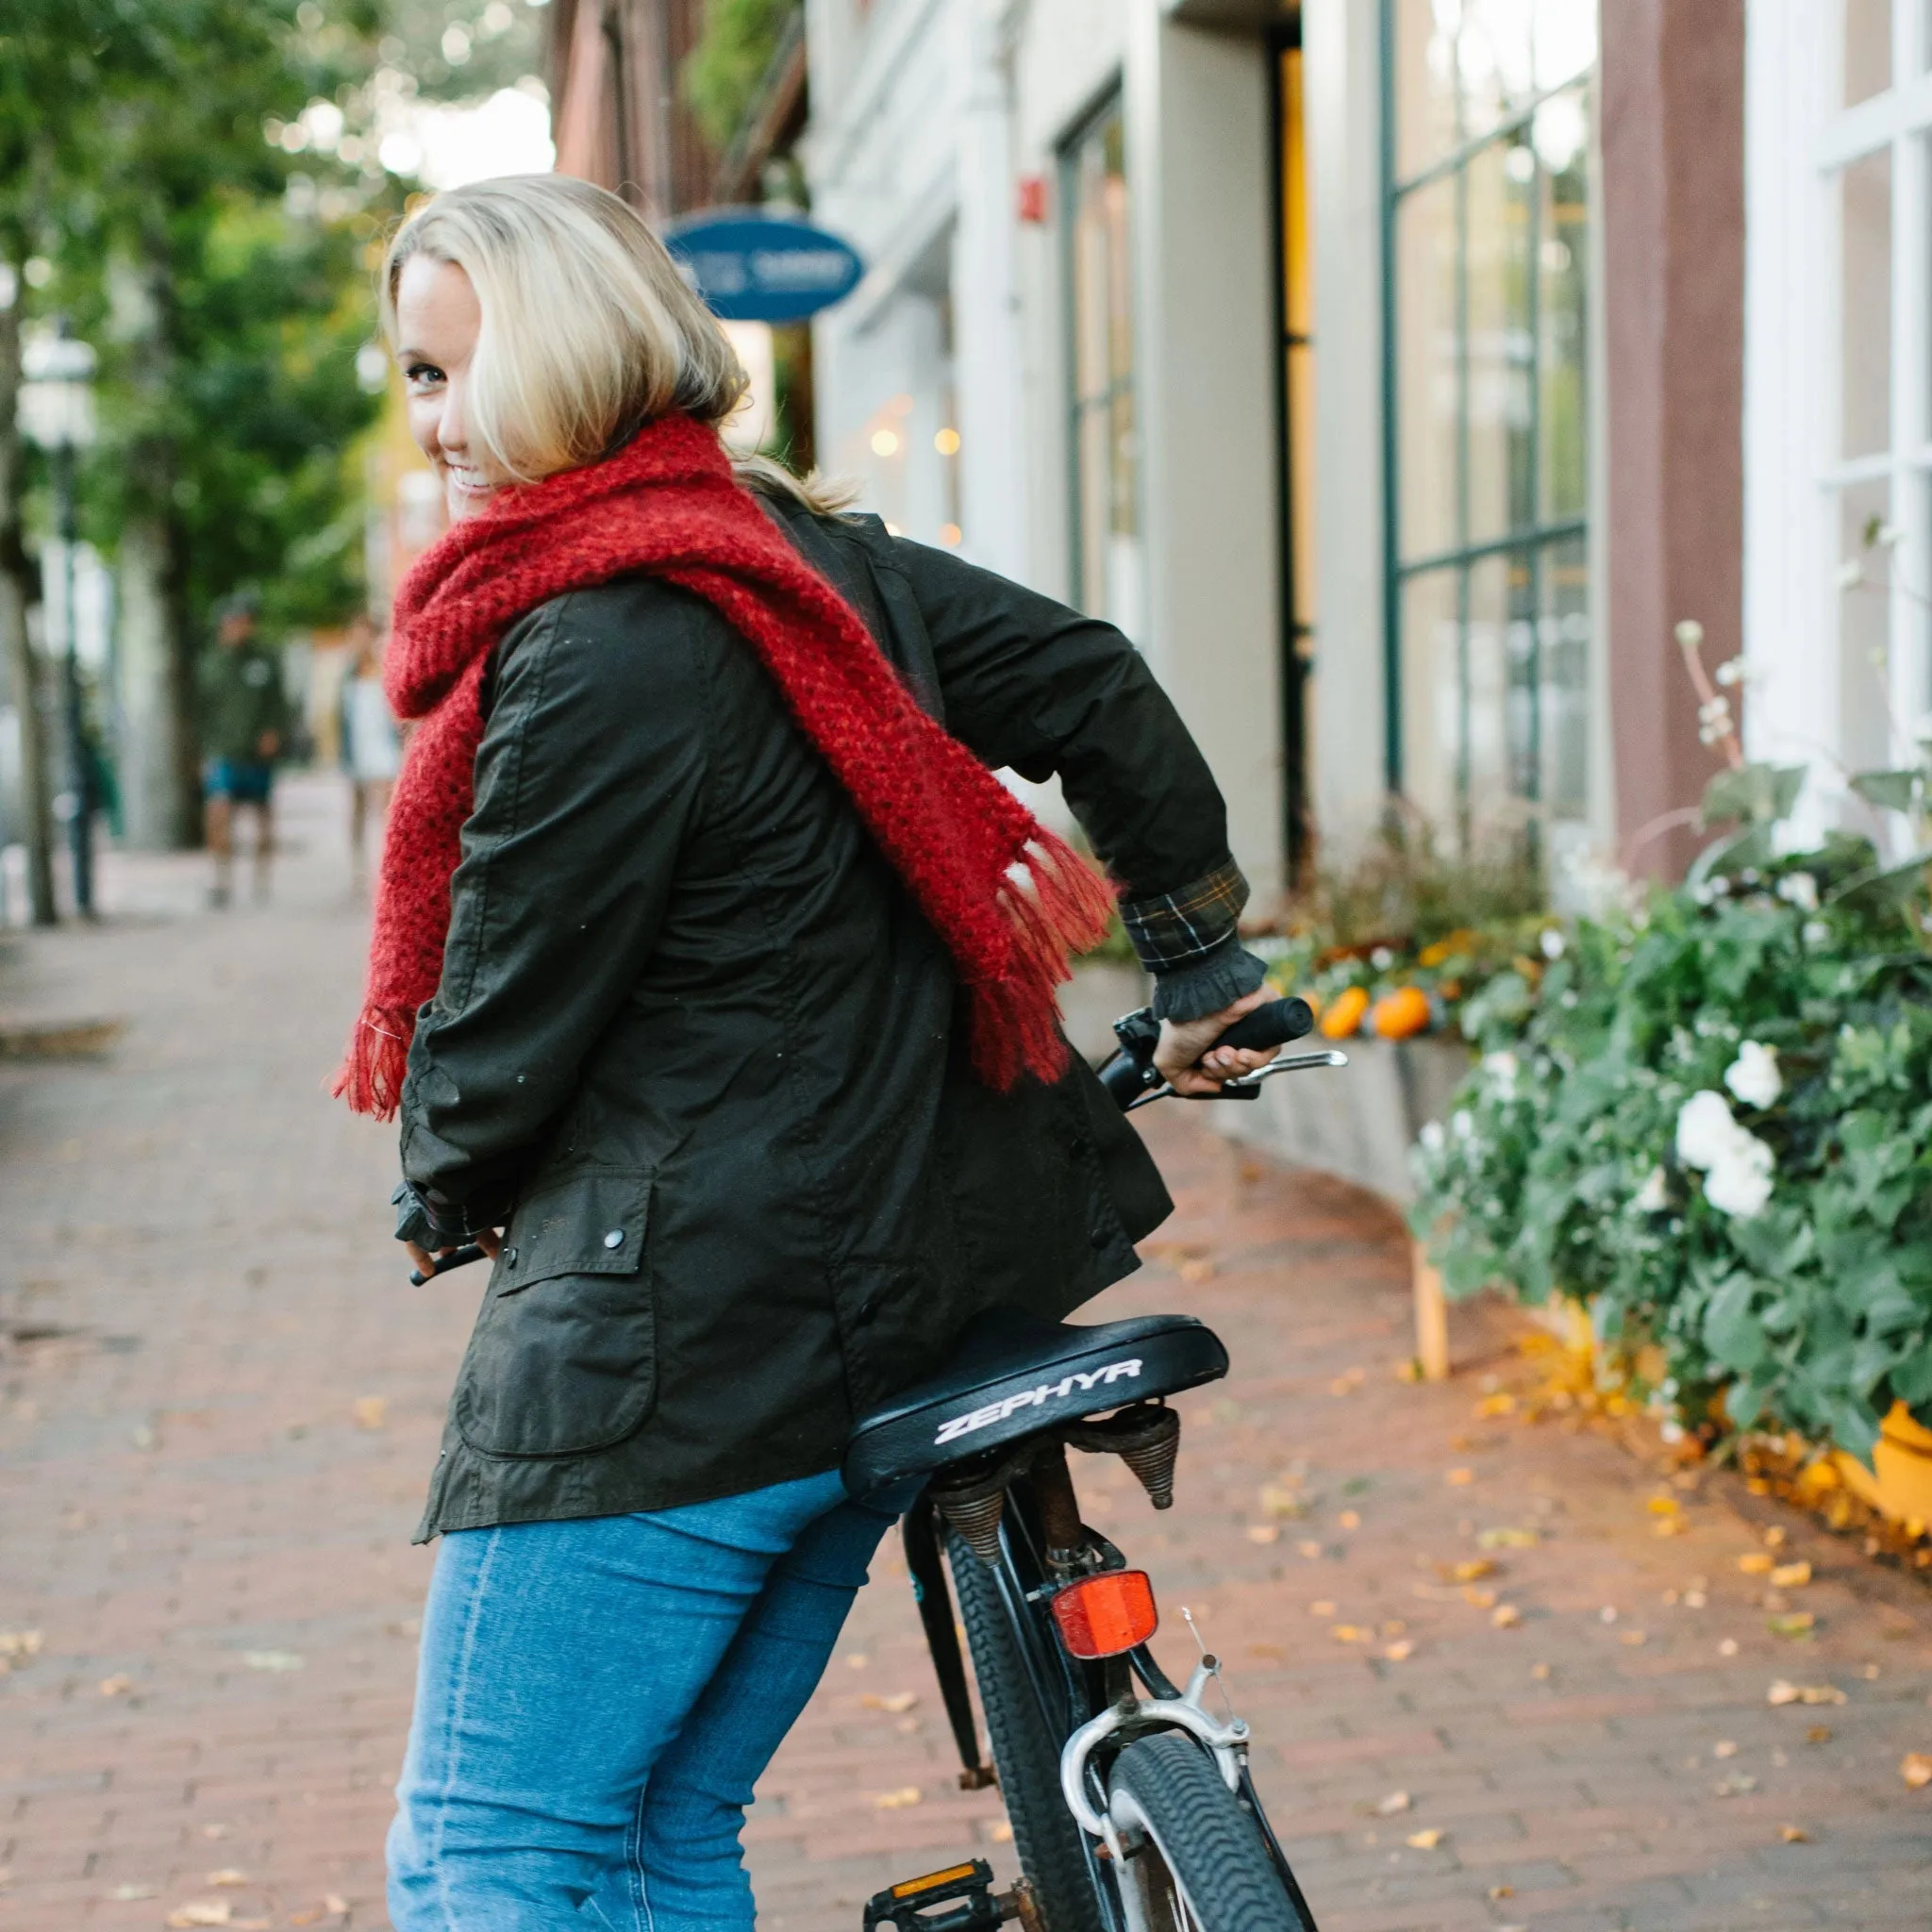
(1103, 442)
(1487, 251)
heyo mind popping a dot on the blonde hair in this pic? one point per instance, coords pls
(589, 330)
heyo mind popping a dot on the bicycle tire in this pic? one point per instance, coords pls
(1050, 1844)
(1210, 1843)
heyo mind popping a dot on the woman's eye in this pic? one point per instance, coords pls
(421, 375)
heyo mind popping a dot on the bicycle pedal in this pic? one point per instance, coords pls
(959, 1899)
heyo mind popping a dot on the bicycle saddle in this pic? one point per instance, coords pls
(1014, 1374)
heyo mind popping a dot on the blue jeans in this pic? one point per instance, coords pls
(596, 1698)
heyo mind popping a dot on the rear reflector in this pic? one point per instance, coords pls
(1103, 1616)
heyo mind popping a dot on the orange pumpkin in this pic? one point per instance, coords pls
(1402, 1013)
(1345, 1015)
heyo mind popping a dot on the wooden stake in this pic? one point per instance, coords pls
(1431, 1317)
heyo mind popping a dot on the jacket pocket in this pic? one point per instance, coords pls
(563, 1357)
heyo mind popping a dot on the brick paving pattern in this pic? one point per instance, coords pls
(219, 1403)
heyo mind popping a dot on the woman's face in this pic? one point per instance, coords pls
(438, 317)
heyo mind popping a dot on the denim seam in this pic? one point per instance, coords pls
(458, 1704)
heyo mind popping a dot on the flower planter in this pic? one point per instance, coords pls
(1899, 1485)
(1359, 1121)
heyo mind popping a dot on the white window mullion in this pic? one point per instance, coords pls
(1909, 566)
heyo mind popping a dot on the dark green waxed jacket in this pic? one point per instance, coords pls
(696, 1047)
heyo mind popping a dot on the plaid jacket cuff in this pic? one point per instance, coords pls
(1179, 928)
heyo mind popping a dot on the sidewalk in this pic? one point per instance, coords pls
(219, 1404)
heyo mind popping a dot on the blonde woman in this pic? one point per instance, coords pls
(714, 978)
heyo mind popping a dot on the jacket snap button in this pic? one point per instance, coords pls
(614, 1239)
(510, 1254)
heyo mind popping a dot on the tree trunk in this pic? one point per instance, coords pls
(161, 751)
(16, 578)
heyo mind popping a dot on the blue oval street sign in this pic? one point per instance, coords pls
(750, 266)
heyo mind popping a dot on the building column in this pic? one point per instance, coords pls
(1673, 138)
(1199, 164)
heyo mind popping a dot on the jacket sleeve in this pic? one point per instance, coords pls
(589, 771)
(1032, 684)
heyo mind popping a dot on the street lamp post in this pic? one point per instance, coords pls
(56, 412)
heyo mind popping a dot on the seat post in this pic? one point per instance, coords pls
(1059, 1508)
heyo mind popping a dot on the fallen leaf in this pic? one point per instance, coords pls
(1395, 1626)
(1756, 1563)
(228, 1875)
(1482, 1599)
(272, 1661)
(1727, 1646)
(897, 1801)
(1509, 1539)
(1665, 1506)
(127, 1895)
(202, 1911)
(1469, 1571)
(20, 1644)
(1275, 1651)
(1633, 1638)
(1506, 1616)
(1426, 1840)
(1277, 1501)
(1783, 1692)
(1916, 1769)
(1349, 1519)
(1309, 1549)
(1773, 1538)
(1352, 1633)
(1501, 1892)
(1724, 1748)
(119, 1685)
(1400, 1650)
(1794, 1623)
(335, 1905)
(217, 1831)
(1200, 1268)
(1670, 1525)
(1393, 1805)
(895, 1703)
(1321, 1607)
(1264, 1532)
(1795, 1834)
(1502, 1403)
(1737, 1787)
(1818, 1734)
(370, 1411)
(1608, 1613)
(1790, 1577)
(856, 1660)
(1456, 1478)
(1540, 1673)
(1000, 1832)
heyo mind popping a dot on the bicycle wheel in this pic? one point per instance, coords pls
(1025, 1753)
(1213, 1872)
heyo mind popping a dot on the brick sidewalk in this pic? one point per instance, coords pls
(218, 1407)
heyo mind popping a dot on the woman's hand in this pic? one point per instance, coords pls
(490, 1241)
(1181, 1045)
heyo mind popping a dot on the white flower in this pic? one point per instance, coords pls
(1502, 1069)
(1431, 1137)
(1381, 959)
(1690, 633)
(1799, 888)
(1464, 1123)
(1733, 671)
(1738, 1183)
(1650, 1198)
(1552, 943)
(1753, 1076)
(1704, 1126)
(1851, 573)
(1816, 932)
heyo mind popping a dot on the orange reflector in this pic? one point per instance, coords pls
(1102, 1616)
(951, 1875)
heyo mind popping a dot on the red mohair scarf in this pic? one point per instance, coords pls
(1008, 898)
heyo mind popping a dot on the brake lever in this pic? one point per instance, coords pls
(1246, 1086)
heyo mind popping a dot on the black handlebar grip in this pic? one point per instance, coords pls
(456, 1257)
(1274, 1025)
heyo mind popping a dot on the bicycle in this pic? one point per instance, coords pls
(1131, 1812)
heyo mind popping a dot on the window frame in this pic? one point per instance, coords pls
(1537, 541)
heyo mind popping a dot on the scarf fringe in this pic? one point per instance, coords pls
(1058, 908)
(373, 1069)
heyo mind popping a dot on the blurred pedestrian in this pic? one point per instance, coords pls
(244, 728)
(710, 963)
(371, 747)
